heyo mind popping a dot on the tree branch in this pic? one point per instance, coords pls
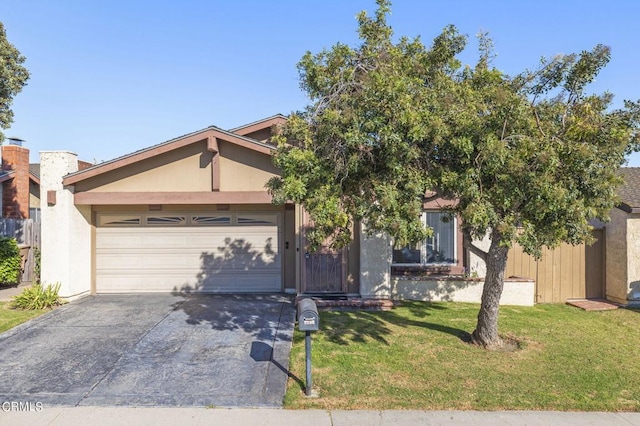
(535, 113)
(474, 249)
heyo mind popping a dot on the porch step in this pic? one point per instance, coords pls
(593, 304)
(349, 303)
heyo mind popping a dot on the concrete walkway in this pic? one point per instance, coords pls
(6, 293)
(96, 416)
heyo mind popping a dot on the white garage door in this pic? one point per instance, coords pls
(204, 252)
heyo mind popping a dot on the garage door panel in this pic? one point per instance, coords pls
(185, 261)
(234, 238)
(223, 283)
(195, 258)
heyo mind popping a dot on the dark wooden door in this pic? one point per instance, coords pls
(324, 270)
(595, 267)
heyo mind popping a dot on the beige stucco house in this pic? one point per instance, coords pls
(193, 214)
(623, 243)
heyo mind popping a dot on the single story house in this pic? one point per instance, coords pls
(192, 215)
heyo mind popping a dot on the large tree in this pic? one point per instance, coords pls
(13, 76)
(528, 158)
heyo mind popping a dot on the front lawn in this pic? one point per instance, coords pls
(416, 357)
(9, 318)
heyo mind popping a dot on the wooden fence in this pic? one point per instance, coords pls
(567, 272)
(27, 234)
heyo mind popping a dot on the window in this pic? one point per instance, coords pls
(211, 220)
(438, 249)
(257, 219)
(166, 220)
(119, 220)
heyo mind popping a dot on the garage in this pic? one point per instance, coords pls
(209, 252)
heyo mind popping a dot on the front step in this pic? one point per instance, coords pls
(349, 303)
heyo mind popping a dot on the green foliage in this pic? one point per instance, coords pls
(10, 261)
(37, 256)
(415, 357)
(529, 158)
(13, 76)
(10, 318)
(532, 156)
(38, 297)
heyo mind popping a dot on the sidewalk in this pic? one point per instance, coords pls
(97, 416)
(6, 293)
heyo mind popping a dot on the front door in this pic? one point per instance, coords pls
(323, 271)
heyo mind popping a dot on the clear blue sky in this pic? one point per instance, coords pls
(109, 77)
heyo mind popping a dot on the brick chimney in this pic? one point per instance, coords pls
(15, 192)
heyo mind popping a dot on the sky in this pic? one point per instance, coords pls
(109, 77)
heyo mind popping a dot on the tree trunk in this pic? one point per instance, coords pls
(486, 332)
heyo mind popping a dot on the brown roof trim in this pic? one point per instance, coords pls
(7, 175)
(205, 134)
(133, 198)
(265, 123)
(34, 178)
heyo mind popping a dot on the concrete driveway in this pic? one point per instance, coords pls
(152, 349)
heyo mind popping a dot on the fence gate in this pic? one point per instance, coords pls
(27, 234)
(566, 272)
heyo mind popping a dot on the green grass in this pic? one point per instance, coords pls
(416, 357)
(9, 318)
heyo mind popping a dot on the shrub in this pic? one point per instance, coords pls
(38, 297)
(36, 265)
(10, 261)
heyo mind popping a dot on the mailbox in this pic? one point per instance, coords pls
(308, 318)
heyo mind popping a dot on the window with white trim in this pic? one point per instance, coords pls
(438, 249)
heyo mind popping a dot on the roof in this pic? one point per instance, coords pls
(629, 192)
(259, 124)
(211, 132)
(6, 175)
(34, 169)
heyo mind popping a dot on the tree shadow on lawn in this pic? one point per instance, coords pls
(344, 328)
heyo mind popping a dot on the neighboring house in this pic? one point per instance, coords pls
(193, 214)
(20, 182)
(623, 243)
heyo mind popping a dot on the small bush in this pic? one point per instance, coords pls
(38, 297)
(10, 261)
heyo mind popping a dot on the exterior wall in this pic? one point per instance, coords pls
(66, 229)
(477, 266)
(616, 260)
(15, 193)
(165, 172)
(633, 259)
(375, 265)
(516, 292)
(353, 263)
(262, 135)
(244, 170)
(34, 195)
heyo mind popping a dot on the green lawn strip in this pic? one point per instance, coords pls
(10, 318)
(416, 357)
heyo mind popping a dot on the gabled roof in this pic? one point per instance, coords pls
(210, 134)
(34, 172)
(629, 192)
(265, 123)
(6, 175)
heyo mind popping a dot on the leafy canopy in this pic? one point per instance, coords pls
(391, 123)
(13, 76)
